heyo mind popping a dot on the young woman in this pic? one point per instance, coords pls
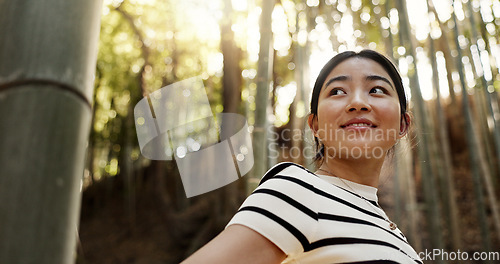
(358, 113)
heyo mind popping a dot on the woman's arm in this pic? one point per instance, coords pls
(238, 244)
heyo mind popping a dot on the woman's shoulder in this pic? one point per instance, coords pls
(299, 177)
(288, 169)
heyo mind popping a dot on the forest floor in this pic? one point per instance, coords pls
(108, 235)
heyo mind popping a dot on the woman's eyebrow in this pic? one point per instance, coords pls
(377, 78)
(337, 78)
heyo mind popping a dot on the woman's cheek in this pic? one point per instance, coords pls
(393, 119)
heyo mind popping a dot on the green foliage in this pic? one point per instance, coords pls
(144, 46)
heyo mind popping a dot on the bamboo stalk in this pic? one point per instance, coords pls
(47, 61)
(263, 80)
(496, 132)
(390, 39)
(448, 187)
(495, 107)
(404, 166)
(444, 46)
(432, 203)
(473, 146)
(299, 56)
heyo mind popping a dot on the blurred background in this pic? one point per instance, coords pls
(260, 59)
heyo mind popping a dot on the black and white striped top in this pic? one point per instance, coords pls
(314, 219)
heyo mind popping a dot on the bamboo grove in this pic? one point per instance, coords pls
(258, 58)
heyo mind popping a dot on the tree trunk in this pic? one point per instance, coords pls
(473, 147)
(496, 129)
(231, 84)
(47, 62)
(297, 124)
(231, 80)
(263, 80)
(445, 166)
(444, 47)
(428, 179)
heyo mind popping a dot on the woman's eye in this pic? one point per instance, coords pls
(378, 90)
(337, 91)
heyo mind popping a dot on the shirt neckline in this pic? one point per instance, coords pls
(366, 191)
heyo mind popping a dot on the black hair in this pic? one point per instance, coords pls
(388, 66)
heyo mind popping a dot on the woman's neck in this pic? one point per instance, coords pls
(365, 171)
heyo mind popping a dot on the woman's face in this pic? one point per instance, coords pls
(359, 114)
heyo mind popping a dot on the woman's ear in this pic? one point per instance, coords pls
(404, 125)
(312, 121)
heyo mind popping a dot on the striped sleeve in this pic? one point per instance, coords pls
(282, 209)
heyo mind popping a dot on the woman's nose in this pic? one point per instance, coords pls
(358, 103)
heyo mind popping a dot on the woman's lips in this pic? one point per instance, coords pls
(358, 123)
